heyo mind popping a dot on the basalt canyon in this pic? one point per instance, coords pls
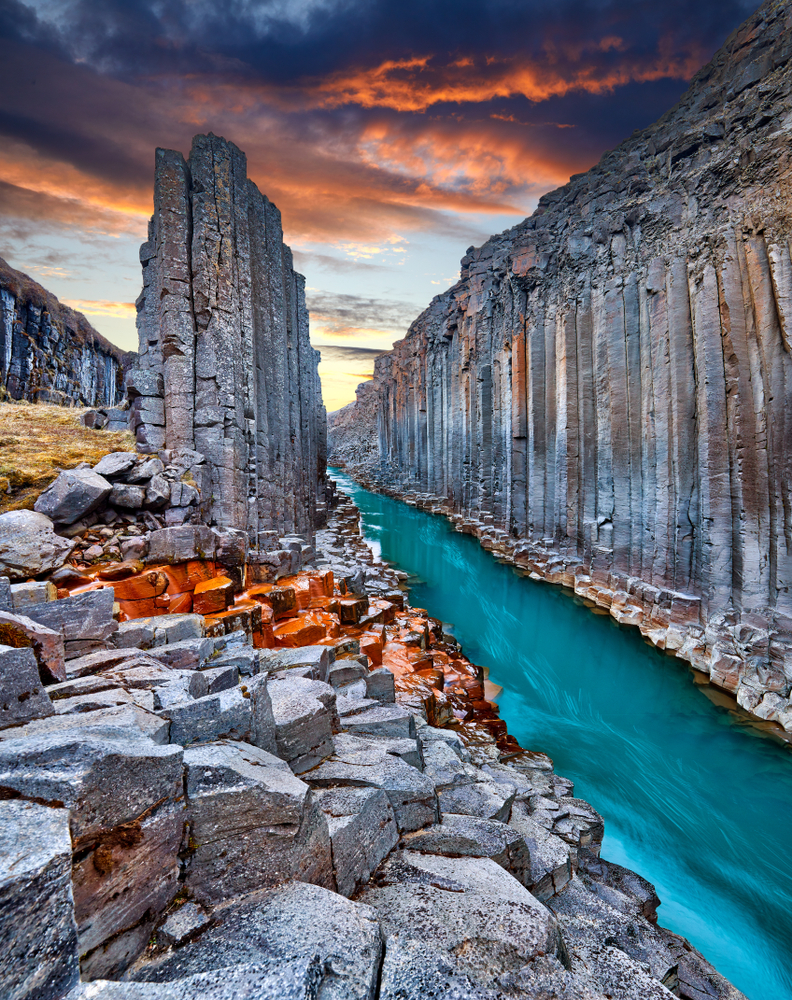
(236, 762)
(604, 396)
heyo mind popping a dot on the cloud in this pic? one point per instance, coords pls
(346, 315)
(101, 307)
(359, 356)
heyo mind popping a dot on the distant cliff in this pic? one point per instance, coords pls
(49, 353)
(606, 394)
(226, 366)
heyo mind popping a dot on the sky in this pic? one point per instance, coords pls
(391, 134)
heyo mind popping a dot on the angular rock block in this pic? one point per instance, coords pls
(380, 685)
(445, 918)
(32, 592)
(211, 596)
(469, 836)
(47, 644)
(284, 931)
(125, 816)
(116, 463)
(186, 921)
(29, 545)
(38, 935)
(130, 721)
(243, 658)
(84, 620)
(22, 697)
(551, 863)
(486, 799)
(181, 544)
(143, 382)
(73, 495)
(185, 654)
(317, 658)
(383, 720)
(369, 763)
(303, 724)
(363, 832)
(253, 824)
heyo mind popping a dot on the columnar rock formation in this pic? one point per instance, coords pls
(611, 380)
(49, 353)
(226, 367)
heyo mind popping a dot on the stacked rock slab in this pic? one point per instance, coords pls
(49, 353)
(226, 367)
(611, 379)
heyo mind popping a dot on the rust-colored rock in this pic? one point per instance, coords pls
(213, 596)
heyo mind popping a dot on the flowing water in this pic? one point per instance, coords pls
(694, 802)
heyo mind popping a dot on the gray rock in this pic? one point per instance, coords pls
(84, 618)
(551, 862)
(346, 670)
(145, 471)
(29, 546)
(380, 685)
(22, 697)
(184, 654)
(225, 715)
(91, 702)
(279, 927)
(220, 678)
(368, 763)
(384, 720)
(315, 657)
(6, 601)
(38, 935)
(182, 924)
(143, 382)
(179, 690)
(109, 659)
(303, 724)
(157, 495)
(73, 495)
(447, 917)
(177, 628)
(116, 463)
(362, 829)
(174, 545)
(253, 824)
(125, 818)
(486, 799)
(245, 659)
(127, 497)
(32, 592)
(131, 720)
(469, 836)
(137, 633)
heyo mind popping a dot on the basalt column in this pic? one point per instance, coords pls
(607, 391)
(222, 320)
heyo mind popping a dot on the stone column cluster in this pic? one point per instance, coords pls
(226, 367)
(611, 380)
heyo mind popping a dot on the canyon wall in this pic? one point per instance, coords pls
(49, 353)
(226, 367)
(606, 394)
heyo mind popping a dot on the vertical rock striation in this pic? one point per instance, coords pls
(51, 354)
(607, 392)
(226, 367)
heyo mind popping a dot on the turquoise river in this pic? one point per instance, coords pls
(692, 800)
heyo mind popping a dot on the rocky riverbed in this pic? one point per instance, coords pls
(294, 786)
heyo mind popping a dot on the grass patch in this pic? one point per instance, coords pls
(37, 441)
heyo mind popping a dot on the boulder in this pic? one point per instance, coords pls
(116, 463)
(73, 495)
(47, 644)
(127, 497)
(486, 799)
(253, 824)
(445, 918)
(22, 697)
(125, 817)
(469, 836)
(369, 763)
(131, 721)
(380, 685)
(85, 620)
(185, 654)
(363, 832)
(382, 720)
(38, 935)
(317, 658)
(181, 544)
(303, 724)
(29, 545)
(292, 926)
(32, 592)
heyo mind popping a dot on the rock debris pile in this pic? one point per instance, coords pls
(295, 790)
(51, 354)
(225, 365)
(605, 395)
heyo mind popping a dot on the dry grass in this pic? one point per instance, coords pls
(37, 441)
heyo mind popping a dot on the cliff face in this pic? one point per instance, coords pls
(607, 392)
(222, 320)
(51, 354)
(352, 430)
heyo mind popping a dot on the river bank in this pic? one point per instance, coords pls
(691, 798)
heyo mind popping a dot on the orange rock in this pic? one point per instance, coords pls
(243, 615)
(302, 631)
(142, 587)
(180, 604)
(282, 600)
(352, 609)
(146, 609)
(385, 610)
(213, 596)
(371, 645)
(184, 577)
